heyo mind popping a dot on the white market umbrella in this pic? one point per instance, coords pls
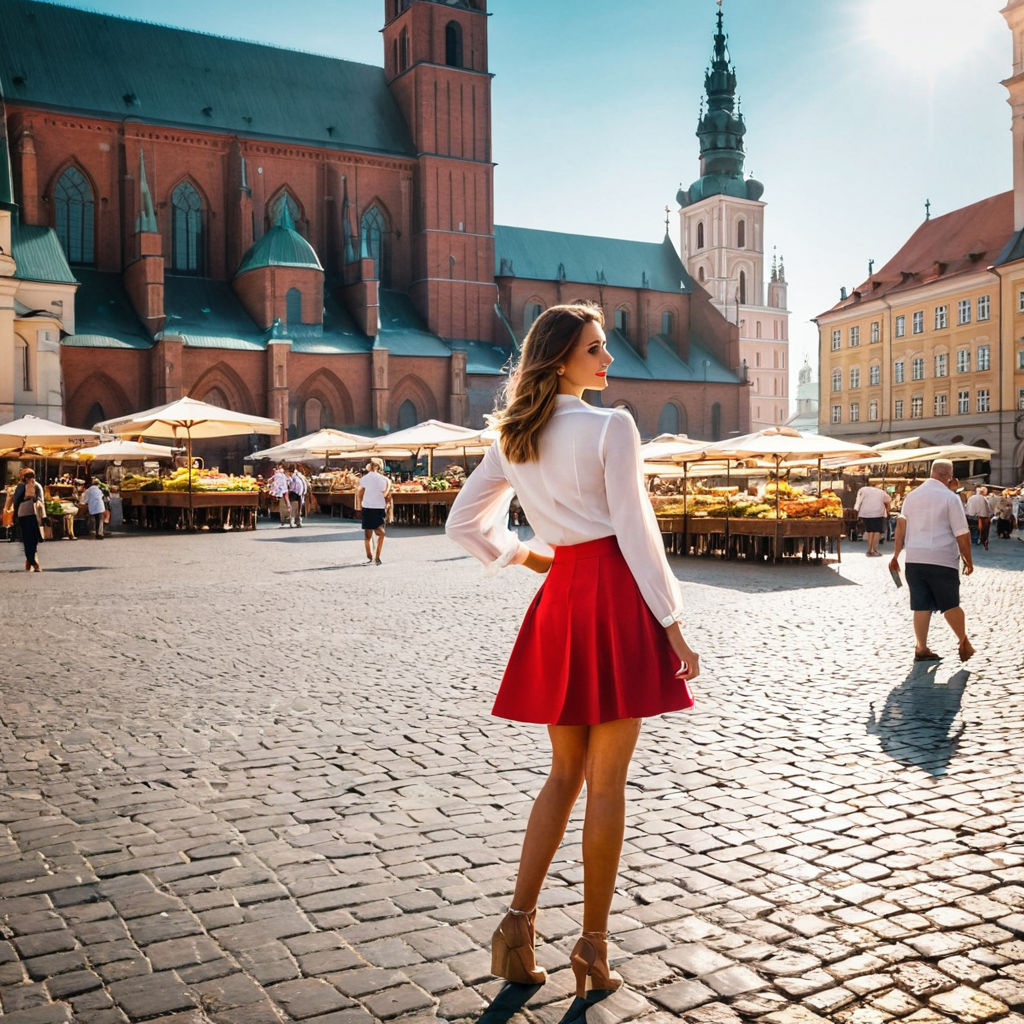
(34, 432)
(325, 442)
(126, 451)
(435, 437)
(192, 418)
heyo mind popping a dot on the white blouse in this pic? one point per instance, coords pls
(586, 483)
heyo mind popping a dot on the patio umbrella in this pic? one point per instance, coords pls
(33, 433)
(433, 436)
(325, 442)
(192, 418)
(126, 451)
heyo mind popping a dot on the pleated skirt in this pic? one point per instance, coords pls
(589, 649)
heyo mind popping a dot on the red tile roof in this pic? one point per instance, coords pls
(961, 242)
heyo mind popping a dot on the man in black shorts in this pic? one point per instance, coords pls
(374, 491)
(933, 528)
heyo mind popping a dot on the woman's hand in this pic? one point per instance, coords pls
(690, 659)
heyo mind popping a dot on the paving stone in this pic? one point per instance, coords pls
(151, 994)
(394, 1002)
(682, 996)
(307, 997)
(696, 959)
(968, 1005)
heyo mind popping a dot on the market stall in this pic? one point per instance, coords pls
(202, 500)
(422, 501)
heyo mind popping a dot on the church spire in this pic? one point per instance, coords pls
(720, 129)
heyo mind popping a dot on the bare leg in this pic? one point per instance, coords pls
(609, 750)
(551, 810)
(873, 539)
(380, 539)
(955, 618)
(922, 620)
(367, 534)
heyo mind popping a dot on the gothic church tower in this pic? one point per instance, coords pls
(435, 61)
(721, 228)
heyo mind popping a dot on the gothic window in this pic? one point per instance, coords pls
(700, 274)
(407, 415)
(293, 307)
(73, 207)
(453, 44)
(666, 324)
(403, 50)
(186, 230)
(312, 415)
(95, 414)
(741, 235)
(216, 397)
(743, 286)
(373, 229)
(622, 321)
(533, 310)
(700, 236)
(25, 362)
(668, 420)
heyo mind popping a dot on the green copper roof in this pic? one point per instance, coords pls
(208, 314)
(104, 317)
(587, 259)
(38, 254)
(94, 64)
(281, 246)
(402, 331)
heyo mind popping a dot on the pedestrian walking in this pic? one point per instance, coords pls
(95, 507)
(979, 509)
(23, 500)
(297, 488)
(932, 527)
(601, 646)
(374, 494)
(278, 491)
(872, 505)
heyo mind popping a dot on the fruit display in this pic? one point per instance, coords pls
(703, 503)
(202, 480)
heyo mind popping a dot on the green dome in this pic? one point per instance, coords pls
(281, 246)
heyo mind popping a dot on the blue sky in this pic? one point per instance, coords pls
(856, 111)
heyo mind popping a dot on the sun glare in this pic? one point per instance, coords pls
(924, 36)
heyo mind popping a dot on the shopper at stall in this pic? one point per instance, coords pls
(23, 501)
(872, 505)
(95, 507)
(978, 509)
(278, 491)
(373, 495)
(601, 647)
(933, 528)
(297, 488)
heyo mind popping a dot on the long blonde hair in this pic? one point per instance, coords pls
(533, 384)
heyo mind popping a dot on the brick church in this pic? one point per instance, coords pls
(300, 237)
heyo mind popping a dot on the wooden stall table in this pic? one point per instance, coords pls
(763, 539)
(423, 508)
(340, 503)
(211, 510)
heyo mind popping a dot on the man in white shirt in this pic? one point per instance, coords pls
(297, 488)
(978, 508)
(278, 491)
(933, 527)
(374, 494)
(872, 505)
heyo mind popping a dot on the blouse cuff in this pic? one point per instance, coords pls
(514, 555)
(676, 616)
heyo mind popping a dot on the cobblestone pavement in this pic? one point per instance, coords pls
(247, 779)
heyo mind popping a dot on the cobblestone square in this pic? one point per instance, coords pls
(248, 779)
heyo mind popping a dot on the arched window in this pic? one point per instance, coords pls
(293, 308)
(407, 415)
(216, 397)
(622, 321)
(757, 328)
(532, 311)
(312, 415)
(403, 50)
(668, 420)
(666, 324)
(741, 235)
(453, 44)
(700, 274)
(716, 421)
(743, 286)
(186, 230)
(700, 234)
(25, 364)
(73, 207)
(96, 414)
(374, 232)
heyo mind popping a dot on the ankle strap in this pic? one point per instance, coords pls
(521, 913)
(598, 935)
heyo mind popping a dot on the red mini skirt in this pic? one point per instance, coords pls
(589, 649)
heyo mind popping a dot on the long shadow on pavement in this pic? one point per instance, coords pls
(915, 726)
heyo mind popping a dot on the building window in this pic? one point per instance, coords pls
(757, 329)
(837, 340)
(453, 44)
(963, 311)
(407, 415)
(757, 358)
(963, 402)
(983, 307)
(917, 369)
(876, 332)
(741, 235)
(855, 412)
(837, 414)
(941, 405)
(403, 53)
(26, 365)
(873, 409)
(532, 311)
(983, 400)
(897, 372)
(901, 326)
(984, 357)
(874, 375)
(73, 214)
(941, 317)
(1020, 359)
(668, 420)
(916, 407)
(716, 421)
(854, 337)
(918, 327)
(1020, 302)
(743, 287)
(837, 380)
(622, 321)
(374, 233)
(941, 364)
(897, 409)
(963, 360)
(666, 324)
(700, 235)
(855, 377)
(186, 230)
(293, 308)
(1020, 398)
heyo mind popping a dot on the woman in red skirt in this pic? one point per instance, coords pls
(600, 647)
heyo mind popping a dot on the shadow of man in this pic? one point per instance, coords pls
(916, 725)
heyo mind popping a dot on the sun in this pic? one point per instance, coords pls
(924, 37)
